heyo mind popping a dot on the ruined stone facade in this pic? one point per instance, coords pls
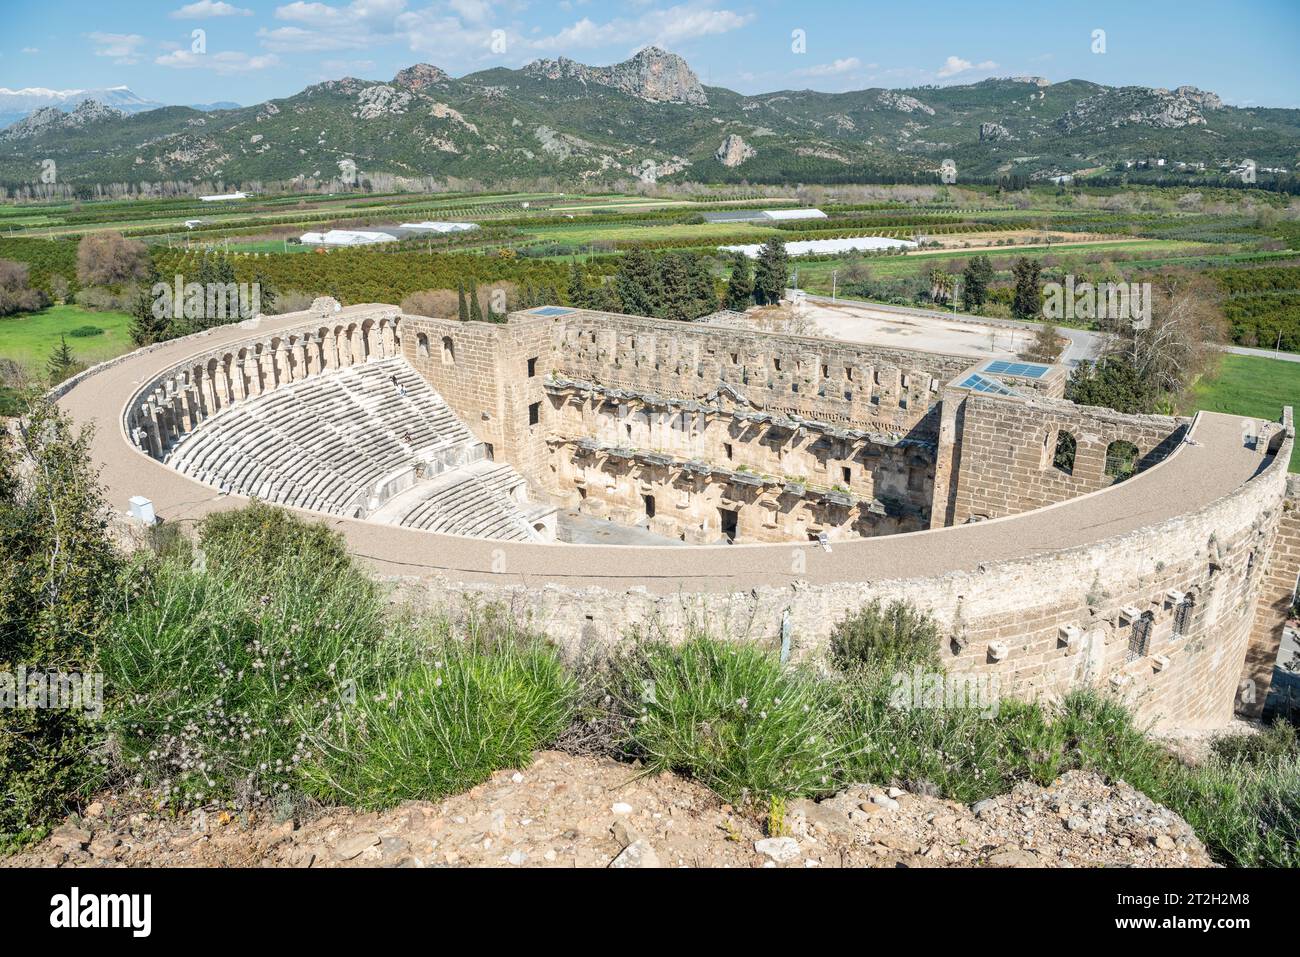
(1166, 589)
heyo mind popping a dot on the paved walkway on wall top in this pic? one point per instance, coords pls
(1211, 466)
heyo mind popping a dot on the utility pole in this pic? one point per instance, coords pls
(833, 286)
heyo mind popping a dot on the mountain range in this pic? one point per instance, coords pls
(16, 105)
(648, 117)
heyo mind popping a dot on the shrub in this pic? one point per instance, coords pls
(255, 544)
(219, 680)
(58, 579)
(85, 332)
(444, 726)
(886, 638)
(731, 716)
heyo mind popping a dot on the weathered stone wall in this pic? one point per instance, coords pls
(491, 375)
(1277, 591)
(1040, 625)
(1003, 452)
(679, 466)
(839, 382)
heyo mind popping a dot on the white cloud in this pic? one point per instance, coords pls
(464, 31)
(124, 48)
(225, 62)
(30, 50)
(845, 65)
(209, 8)
(955, 64)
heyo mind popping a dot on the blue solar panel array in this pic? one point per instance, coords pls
(1025, 370)
(551, 311)
(978, 383)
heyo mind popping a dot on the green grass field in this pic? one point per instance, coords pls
(29, 338)
(1247, 385)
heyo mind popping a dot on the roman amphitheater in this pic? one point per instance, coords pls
(608, 475)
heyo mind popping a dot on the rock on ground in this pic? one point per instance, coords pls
(561, 813)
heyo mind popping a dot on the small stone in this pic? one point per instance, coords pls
(885, 801)
(517, 778)
(779, 849)
(895, 792)
(981, 808)
(621, 808)
(517, 857)
(637, 854)
(95, 810)
(353, 846)
(1164, 842)
(1012, 857)
(69, 838)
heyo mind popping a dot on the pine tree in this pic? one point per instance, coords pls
(266, 293)
(578, 295)
(61, 362)
(636, 283)
(475, 310)
(147, 328)
(975, 283)
(740, 286)
(772, 273)
(674, 288)
(1028, 301)
(703, 290)
(462, 311)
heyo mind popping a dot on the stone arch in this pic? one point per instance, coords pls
(448, 351)
(422, 345)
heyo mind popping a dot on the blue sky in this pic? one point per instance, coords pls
(1248, 51)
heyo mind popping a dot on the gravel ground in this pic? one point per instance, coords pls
(566, 811)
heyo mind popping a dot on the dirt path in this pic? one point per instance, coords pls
(566, 811)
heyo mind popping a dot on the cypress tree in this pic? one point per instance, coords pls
(475, 310)
(772, 272)
(740, 286)
(1028, 301)
(636, 282)
(462, 311)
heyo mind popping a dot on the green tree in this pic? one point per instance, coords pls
(578, 295)
(146, 327)
(975, 280)
(266, 292)
(1113, 383)
(59, 575)
(475, 309)
(674, 301)
(636, 282)
(1046, 345)
(61, 362)
(740, 285)
(772, 273)
(1027, 301)
(462, 309)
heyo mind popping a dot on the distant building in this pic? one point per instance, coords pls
(435, 227)
(809, 247)
(223, 197)
(347, 237)
(762, 215)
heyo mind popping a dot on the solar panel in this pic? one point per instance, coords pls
(551, 311)
(978, 383)
(1025, 370)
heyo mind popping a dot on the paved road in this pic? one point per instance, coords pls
(1262, 353)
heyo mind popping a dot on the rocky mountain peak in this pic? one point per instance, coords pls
(652, 74)
(52, 118)
(419, 76)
